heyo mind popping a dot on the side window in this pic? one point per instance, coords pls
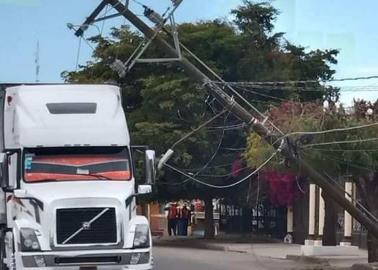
(137, 153)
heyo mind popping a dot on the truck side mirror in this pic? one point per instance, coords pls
(150, 172)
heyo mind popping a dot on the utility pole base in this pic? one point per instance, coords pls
(309, 242)
(318, 243)
(315, 250)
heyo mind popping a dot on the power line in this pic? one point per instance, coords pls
(176, 184)
(139, 3)
(354, 78)
(340, 142)
(299, 81)
(264, 95)
(236, 126)
(330, 130)
(210, 167)
(265, 102)
(216, 151)
(103, 22)
(346, 150)
(282, 87)
(324, 131)
(317, 88)
(275, 83)
(365, 88)
(223, 175)
(299, 186)
(198, 128)
(255, 89)
(327, 156)
(225, 186)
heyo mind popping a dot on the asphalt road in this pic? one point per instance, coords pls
(196, 259)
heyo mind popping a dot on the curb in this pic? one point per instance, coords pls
(372, 266)
(228, 249)
(198, 245)
(308, 259)
(192, 245)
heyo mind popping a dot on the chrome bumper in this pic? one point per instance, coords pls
(86, 259)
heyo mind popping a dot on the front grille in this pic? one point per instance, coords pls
(88, 260)
(75, 226)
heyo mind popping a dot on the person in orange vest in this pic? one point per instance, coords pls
(183, 220)
(172, 218)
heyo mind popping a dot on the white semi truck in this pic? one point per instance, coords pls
(68, 183)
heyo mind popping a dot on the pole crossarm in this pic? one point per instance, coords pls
(284, 144)
(91, 18)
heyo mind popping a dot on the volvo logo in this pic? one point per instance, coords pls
(86, 226)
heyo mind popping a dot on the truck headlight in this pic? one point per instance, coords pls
(29, 240)
(141, 236)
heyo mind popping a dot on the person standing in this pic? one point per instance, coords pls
(185, 217)
(180, 221)
(172, 219)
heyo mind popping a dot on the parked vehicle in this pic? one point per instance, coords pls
(68, 183)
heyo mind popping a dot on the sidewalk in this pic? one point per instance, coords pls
(257, 247)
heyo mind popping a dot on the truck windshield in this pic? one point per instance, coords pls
(76, 164)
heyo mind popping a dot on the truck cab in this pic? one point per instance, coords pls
(68, 198)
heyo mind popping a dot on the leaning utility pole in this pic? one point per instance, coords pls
(285, 145)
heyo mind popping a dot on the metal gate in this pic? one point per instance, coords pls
(264, 219)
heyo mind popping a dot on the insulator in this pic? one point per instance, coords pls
(153, 16)
(176, 2)
(118, 67)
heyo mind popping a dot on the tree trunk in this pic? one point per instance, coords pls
(330, 221)
(372, 242)
(209, 219)
(372, 245)
(368, 188)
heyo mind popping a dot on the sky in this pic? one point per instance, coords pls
(346, 25)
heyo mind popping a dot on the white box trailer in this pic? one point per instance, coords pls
(68, 183)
